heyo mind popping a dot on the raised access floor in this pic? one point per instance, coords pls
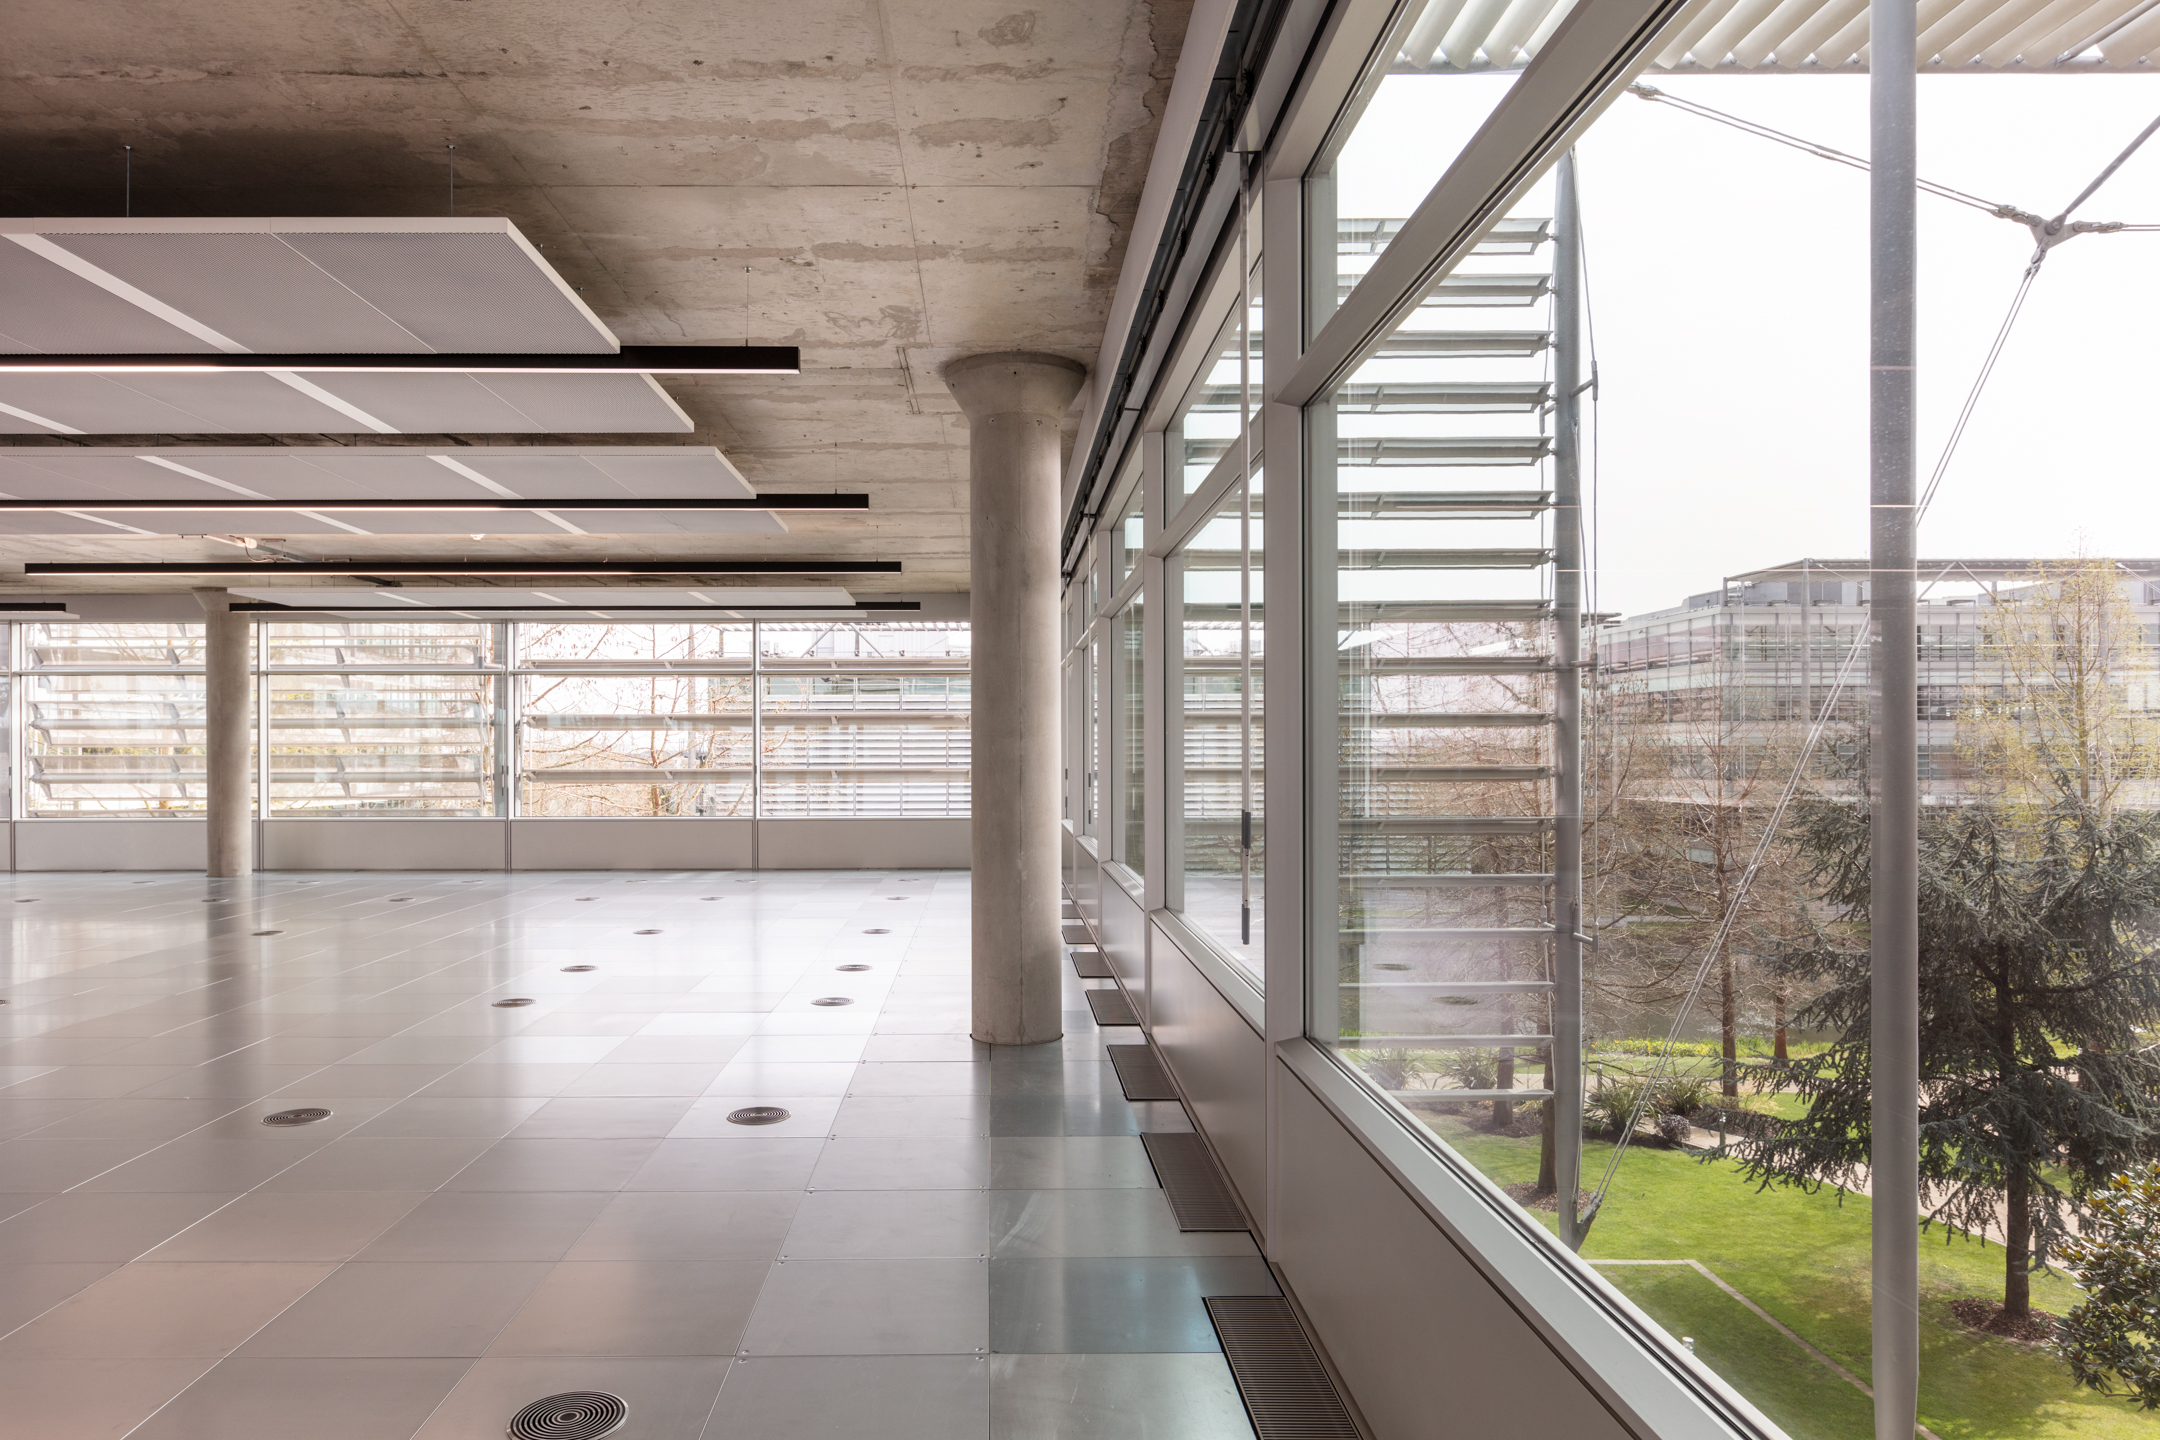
(510, 1202)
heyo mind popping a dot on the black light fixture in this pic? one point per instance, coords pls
(264, 569)
(629, 360)
(452, 506)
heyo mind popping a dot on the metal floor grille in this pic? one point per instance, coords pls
(1078, 935)
(1090, 963)
(1112, 1007)
(1286, 1390)
(1196, 1190)
(1141, 1073)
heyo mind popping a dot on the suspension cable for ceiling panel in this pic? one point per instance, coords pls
(2047, 234)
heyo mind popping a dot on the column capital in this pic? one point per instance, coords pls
(1009, 382)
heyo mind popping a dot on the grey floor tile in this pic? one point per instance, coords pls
(221, 1080)
(687, 1080)
(617, 1118)
(872, 1307)
(359, 1163)
(747, 1077)
(1077, 1162)
(668, 1399)
(136, 1119)
(674, 1049)
(750, 1163)
(421, 1050)
(489, 1225)
(1115, 1397)
(291, 1225)
(914, 1163)
(429, 1118)
(809, 1116)
(251, 1399)
(921, 1078)
(195, 1163)
(680, 1225)
(91, 1082)
(439, 1308)
(1088, 1306)
(1062, 1115)
(516, 1164)
(392, 1081)
(1072, 1078)
(165, 1312)
(931, 1048)
(816, 1049)
(89, 1399)
(482, 1081)
(28, 1291)
(637, 1307)
(853, 1397)
(24, 1117)
(1044, 1223)
(890, 1224)
(39, 1164)
(101, 1227)
(951, 1116)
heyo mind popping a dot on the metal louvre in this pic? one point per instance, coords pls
(1199, 1196)
(1809, 36)
(1287, 1391)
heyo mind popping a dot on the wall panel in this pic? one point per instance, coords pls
(862, 844)
(109, 845)
(1220, 1062)
(430, 844)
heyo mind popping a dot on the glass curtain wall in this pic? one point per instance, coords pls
(386, 718)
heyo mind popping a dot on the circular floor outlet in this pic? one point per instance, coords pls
(645, 932)
(832, 1000)
(583, 898)
(399, 899)
(260, 933)
(306, 1116)
(851, 967)
(757, 1115)
(877, 932)
(31, 901)
(708, 897)
(512, 1004)
(896, 897)
(578, 969)
(573, 1415)
(1391, 967)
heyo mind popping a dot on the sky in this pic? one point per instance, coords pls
(1728, 291)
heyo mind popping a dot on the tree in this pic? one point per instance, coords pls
(2110, 1340)
(2038, 972)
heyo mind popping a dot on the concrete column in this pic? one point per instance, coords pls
(1014, 404)
(227, 689)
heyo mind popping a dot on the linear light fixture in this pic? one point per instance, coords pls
(731, 502)
(629, 360)
(260, 607)
(262, 569)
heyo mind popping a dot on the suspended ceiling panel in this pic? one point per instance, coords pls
(647, 604)
(322, 286)
(1802, 36)
(317, 477)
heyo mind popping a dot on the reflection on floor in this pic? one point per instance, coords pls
(506, 1202)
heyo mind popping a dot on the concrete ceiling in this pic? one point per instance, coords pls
(885, 183)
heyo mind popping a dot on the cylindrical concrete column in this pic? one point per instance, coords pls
(227, 686)
(1014, 403)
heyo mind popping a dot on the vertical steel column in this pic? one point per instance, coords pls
(1894, 830)
(1567, 1008)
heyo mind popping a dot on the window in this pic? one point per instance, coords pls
(1131, 631)
(863, 720)
(112, 719)
(635, 720)
(369, 718)
(1221, 729)
(1453, 65)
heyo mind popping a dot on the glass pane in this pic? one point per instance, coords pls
(1455, 64)
(464, 645)
(1132, 737)
(1440, 987)
(839, 745)
(356, 743)
(600, 647)
(134, 646)
(106, 743)
(822, 644)
(1128, 538)
(1206, 427)
(629, 745)
(1221, 737)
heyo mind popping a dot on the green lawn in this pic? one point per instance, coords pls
(1804, 1259)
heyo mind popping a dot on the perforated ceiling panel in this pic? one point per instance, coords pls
(318, 477)
(337, 286)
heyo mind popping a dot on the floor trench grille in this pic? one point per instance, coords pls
(1286, 1389)
(1141, 1073)
(1199, 1196)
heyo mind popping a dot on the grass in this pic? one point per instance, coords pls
(1804, 1259)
